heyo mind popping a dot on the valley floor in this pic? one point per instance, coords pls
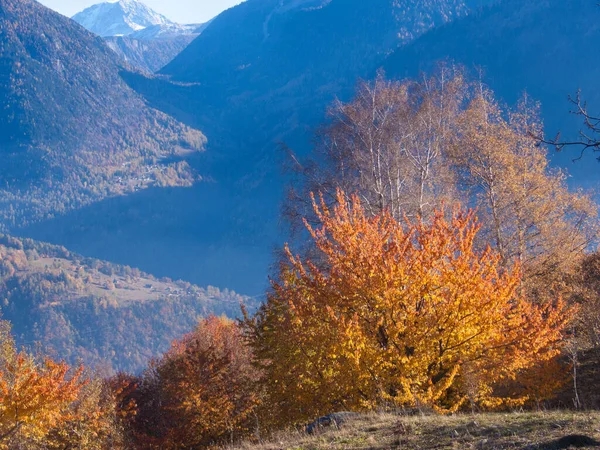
(523, 431)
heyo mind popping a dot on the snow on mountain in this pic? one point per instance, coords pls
(120, 18)
(140, 36)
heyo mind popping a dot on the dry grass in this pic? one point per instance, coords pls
(524, 431)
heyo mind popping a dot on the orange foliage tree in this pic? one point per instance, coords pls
(391, 313)
(200, 392)
(92, 423)
(47, 405)
(34, 397)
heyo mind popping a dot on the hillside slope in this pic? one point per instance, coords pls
(104, 314)
(149, 55)
(533, 431)
(71, 130)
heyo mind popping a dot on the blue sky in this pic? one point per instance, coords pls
(182, 11)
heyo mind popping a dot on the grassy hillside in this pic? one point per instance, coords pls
(103, 314)
(531, 431)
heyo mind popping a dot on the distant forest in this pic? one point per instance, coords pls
(109, 316)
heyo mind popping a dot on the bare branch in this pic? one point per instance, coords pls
(589, 139)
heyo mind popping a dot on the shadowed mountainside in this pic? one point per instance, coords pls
(546, 48)
(72, 131)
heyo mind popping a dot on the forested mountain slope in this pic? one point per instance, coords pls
(71, 131)
(306, 35)
(104, 314)
(270, 66)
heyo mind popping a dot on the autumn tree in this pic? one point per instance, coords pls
(93, 421)
(409, 147)
(389, 145)
(200, 392)
(34, 397)
(48, 405)
(407, 314)
(530, 214)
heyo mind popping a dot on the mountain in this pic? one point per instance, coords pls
(148, 55)
(142, 38)
(265, 70)
(119, 18)
(544, 47)
(82, 309)
(71, 130)
(261, 73)
(266, 44)
(203, 26)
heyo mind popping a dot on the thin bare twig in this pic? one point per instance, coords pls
(589, 138)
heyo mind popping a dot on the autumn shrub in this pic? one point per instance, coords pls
(200, 393)
(400, 314)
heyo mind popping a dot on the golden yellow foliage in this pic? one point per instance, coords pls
(411, 146)
(398, 314)
(47, 405)
(530, 214)
(35, 398)
(92, 423)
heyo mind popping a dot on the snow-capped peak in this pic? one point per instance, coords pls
(119, 18)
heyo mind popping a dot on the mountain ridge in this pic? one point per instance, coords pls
(140, 36)
(119, 18)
